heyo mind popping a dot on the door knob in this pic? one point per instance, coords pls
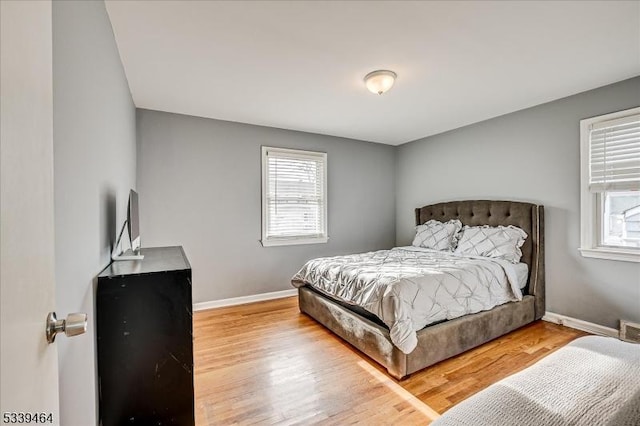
(73, 325)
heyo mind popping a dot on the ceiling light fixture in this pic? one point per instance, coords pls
(380, 81)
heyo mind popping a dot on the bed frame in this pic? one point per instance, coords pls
(449, 338)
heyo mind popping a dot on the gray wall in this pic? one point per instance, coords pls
(199, 184)
(94, 168)
(530, 155)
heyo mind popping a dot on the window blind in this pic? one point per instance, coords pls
(614, 155)
(295, 194)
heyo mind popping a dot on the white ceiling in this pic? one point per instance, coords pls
(299, 65)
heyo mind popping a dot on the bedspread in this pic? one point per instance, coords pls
(591, 381)
(409, 288)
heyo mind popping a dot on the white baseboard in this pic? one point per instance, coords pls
(589, 327)
(244, 299)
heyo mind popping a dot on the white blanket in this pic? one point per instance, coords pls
(592, 381)
(409, 288)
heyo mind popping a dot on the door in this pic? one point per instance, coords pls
(28, 365)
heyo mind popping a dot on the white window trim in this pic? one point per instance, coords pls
(589, 229)
(288, 241)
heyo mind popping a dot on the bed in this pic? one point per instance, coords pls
(591, 381)
(444, 339)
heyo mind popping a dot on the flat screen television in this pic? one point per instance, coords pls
(132, 223)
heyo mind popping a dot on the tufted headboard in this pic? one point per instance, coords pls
(528, 216)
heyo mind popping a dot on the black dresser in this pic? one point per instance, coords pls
(145, 344)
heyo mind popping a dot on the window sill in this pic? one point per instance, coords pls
(626, 255)
(293, 241)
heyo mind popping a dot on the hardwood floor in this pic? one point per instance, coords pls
(266, 363)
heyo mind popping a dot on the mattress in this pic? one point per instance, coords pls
(409, 288)
(522, 274)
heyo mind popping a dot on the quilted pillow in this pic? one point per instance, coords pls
(437, 235)
(501, 242)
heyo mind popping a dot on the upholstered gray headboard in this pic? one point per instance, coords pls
(528, 216)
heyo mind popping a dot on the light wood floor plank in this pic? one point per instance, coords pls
(266, 363)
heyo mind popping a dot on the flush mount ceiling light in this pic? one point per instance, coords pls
(380, 81)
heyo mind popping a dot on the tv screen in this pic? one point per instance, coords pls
(133, 220)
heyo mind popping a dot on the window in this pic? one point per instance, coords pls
(294, 197)
(610, 186)
(621, 219)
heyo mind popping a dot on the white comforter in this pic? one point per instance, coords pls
(409, 288)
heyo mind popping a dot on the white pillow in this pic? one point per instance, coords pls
(501, 242)
(437, 235)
